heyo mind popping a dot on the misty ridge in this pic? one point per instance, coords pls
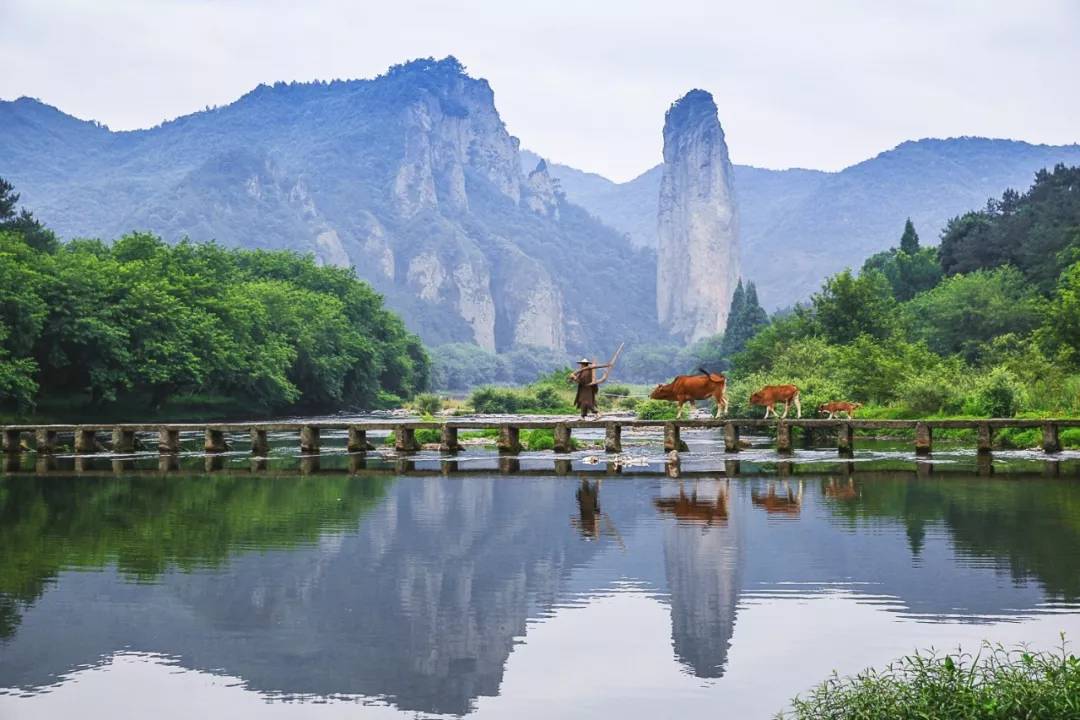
(413, 179)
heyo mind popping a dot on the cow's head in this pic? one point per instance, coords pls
(757, 398)
(662, 392)
(822, 409)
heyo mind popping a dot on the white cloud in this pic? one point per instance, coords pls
(798, 84)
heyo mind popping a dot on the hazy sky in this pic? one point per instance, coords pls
(806, 84)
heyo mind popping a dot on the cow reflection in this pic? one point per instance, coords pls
(840, 490)
(786, 502)
(590, 520)
(689, 508)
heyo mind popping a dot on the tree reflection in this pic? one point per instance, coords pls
(145, 525)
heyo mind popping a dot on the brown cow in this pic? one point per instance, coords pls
(686, 388)
(836, 407)
(769, 395)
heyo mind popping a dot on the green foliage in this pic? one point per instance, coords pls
(142, 322)
(543, 397)
(745, 318)
(997, 394)
(544, 440)
(464, 366)
(909, 269)
(1037, 232)
(652, 363)
(1062, 327)
(909, 241)
(656, 410)
(619, 390)
(965, 312)
(427, 403)
(994, 684)
(850, 306)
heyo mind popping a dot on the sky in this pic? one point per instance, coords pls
(586, 82)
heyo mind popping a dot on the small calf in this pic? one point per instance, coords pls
(835, 408)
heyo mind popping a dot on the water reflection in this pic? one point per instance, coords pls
(416, 591)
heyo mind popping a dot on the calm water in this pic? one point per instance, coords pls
(290, 590)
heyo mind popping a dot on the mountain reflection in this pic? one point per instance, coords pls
(416, 590)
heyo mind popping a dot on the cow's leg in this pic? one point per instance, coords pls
(786, 405)
(679, 413)
(768, 409)
(798, 406)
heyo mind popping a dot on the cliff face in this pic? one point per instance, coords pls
(697, 249)
(410, 177)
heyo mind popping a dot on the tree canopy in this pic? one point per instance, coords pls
(143, 321)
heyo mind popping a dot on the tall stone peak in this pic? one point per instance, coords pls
(698, 243)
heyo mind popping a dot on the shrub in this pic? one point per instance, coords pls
(498, 400)
(619, 390)
(996, 395)
(995, 683)
(543, 440)
(547, 399)
(656, 410)
(629, 403)
(427, 403)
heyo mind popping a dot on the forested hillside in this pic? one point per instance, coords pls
(139, 323)
(987, 324)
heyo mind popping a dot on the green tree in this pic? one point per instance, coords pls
(909, 241)
(965, 312)
(745, 318)
(849, 306)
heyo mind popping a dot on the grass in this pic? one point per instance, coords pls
(994, 684)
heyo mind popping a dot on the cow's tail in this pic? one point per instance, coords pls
(715, 377)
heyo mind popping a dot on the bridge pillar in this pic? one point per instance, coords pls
(168, 462)
(123, 440)
(731, 437)
(984, 438)
(213, 463)
(309, 465)
(405, 439)
(845, 439)
(85, 441)
(358, 440)
(260, 444)
(563, 444)
(1051, 441)
(12, 442)
(508, 465)
(672, 441)
(783, 438)
(449, 442)
(357, 463)
(731, 467)
(923, 439)
(45, 441)
(509, 440)
(214, 442)
(168, 441)
(309, 439)
(563, 466)
(613, 438)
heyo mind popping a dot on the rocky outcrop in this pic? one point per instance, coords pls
(698, 246)
(542, 192)
(411, 178)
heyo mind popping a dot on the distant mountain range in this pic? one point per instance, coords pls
(799, 226)
(413, 178)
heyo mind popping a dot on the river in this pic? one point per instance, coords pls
(304, 588)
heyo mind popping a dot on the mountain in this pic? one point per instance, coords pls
(697, 251)
(798, 226)
(411, 177)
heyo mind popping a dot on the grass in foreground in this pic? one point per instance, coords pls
(994, 684)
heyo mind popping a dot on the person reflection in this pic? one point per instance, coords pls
(591, 522)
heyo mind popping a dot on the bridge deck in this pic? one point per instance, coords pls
(46, 436)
